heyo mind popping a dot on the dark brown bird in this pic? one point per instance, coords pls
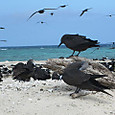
(62, 6)
(41, 22)
(42, 11)
(3, 40)
(110, 15)
(51, 13)
(2, 28)
(74, 75)
(77, 42)
(85, 11)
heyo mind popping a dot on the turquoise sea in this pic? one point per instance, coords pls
(46, 52)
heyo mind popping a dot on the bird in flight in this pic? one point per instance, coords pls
(51, 13)
(41, 11)
(41, 22)
(62, 6)
(2, 28)
(3, 40)
(110, 15)
(85, 11)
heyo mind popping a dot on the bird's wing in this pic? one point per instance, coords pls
(82, 13)
(3, 40)
(75, 40)
(75, 77)
(33, 14)
(84, 66)
(2, 28)
(74, 74)
(50, 8)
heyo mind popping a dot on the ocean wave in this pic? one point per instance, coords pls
(3, 49)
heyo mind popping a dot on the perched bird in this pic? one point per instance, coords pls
(42, 11)
(2, 28)
(85, 11)
(77, 42)
(73, 75)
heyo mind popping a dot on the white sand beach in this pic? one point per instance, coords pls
(50, 97)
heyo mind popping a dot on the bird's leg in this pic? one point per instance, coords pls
(76, 91)
(72, 54)
(79, 93)
(78, 53)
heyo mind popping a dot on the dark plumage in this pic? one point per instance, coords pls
(51, 13)
(41, 22)
(23, 72)
(41, 74)
(18, 69)
(77, 42)
(3, 40)
(73, 75)
(110, 15)
(41, 11)
(85, 11)
(63, 6)
(24, 76)
(2, 28)
(1, 76)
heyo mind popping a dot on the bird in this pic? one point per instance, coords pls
(41, 11)
(41, 22)
(77, 42)
(85, 11)
(3, 40)
(2, 28)
(73, 75)
(110, 15)
(62, 6)
(51, 13)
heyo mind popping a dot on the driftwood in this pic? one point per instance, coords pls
(58, 66)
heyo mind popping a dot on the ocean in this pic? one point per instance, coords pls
(45, 52)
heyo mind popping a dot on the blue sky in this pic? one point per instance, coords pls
(19, 32)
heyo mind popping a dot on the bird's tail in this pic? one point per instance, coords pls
(96, 83)
(101, 90)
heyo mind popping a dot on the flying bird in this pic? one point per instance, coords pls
(2, 28)
(85, 11)
(110, 15)
(3, 40)
(41, 22)
(51, 13)
(74, 75)
(62, 6)
(77, 42)
(41, 11)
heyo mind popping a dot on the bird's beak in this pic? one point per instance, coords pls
(59, 45)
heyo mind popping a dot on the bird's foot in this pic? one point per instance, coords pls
(69, 57)
(81, 93)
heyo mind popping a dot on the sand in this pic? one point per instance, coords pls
(50, 97)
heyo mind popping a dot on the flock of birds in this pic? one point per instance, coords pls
(73, 74)
(62, 6)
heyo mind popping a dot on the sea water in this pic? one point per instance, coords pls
(45, 52)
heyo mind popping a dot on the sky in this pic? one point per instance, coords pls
(94, 24)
